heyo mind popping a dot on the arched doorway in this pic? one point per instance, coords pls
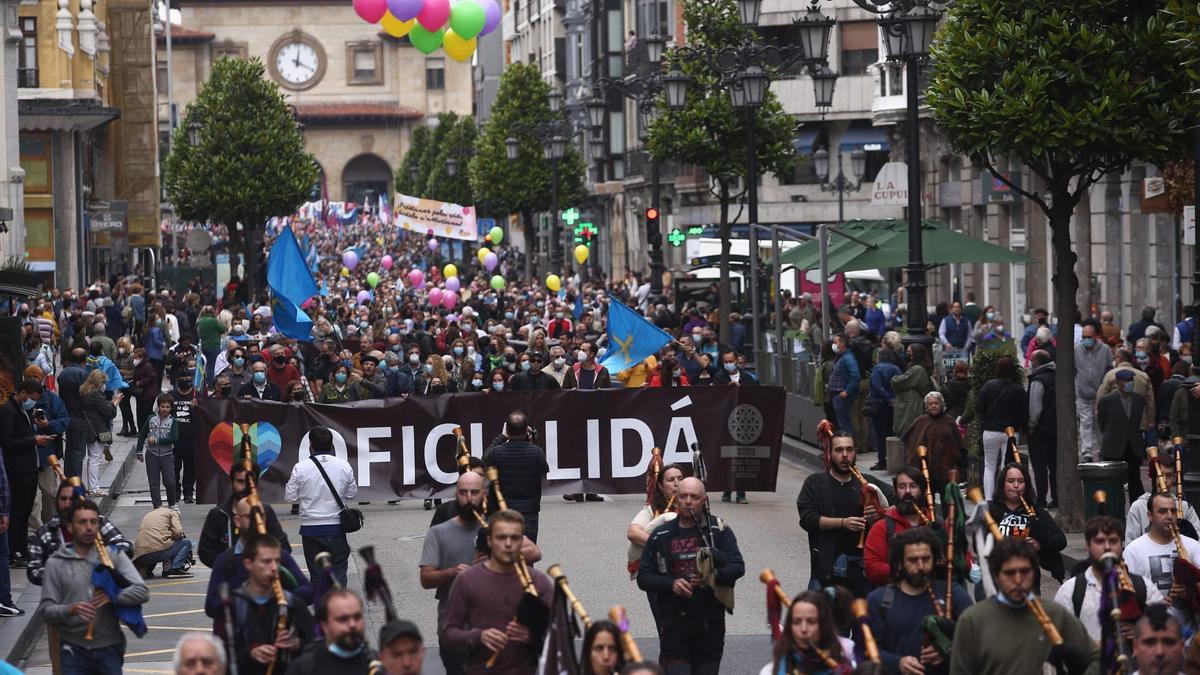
(367, 172)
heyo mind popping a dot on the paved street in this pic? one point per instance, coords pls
(587, 539)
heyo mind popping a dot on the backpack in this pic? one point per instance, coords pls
(1139, 590)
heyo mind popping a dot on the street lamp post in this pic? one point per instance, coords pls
(908, 27)
(840, 184)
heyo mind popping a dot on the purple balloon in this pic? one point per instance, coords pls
(492, 10)
(453, 284)
(404, 9)
(416, 278)
(435, 297)
(452, 317)
(449, 299)
(350, 260)
(490, 261)
(363, 296)
(433, 244)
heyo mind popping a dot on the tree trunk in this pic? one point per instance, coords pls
(234, 247)
(1066, 288)
(726, 232)
(249, 263)
(530, 238)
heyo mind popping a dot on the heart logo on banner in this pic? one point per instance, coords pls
(265, 444)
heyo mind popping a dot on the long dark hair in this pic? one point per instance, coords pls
(999, 489)
(589, 639)
(658, 503)
(666, 372)
(828, 640)
(920, 357)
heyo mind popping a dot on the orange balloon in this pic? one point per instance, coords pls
(487, 238)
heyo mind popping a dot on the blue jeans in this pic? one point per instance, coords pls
(841, 410)
(336, 545)
(174, 557)
(5, 579)
(76, 659)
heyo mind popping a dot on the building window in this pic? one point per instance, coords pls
(161, 77)
(435, 74)
(804, 171)
(364, 63)
(236, 50)
(653, 17)
(27, 57)
(860, 46)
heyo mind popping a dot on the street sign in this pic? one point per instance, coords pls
(1189, 225)
(111, 216)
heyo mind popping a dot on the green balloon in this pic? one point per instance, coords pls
(423, 40)
(497, 234)
(467, 18)
(498, 282)
(373, 279)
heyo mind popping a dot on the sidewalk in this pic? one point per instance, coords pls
(19, 634)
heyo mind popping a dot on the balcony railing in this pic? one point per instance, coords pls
(637, 163)
(27, 77)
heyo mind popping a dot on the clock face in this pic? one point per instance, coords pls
(297, 63)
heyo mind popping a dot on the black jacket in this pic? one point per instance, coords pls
(1041, 527)
(218, 531)
(270, 392)
(824, 495)
(1118, 431)
(1001, 404)
(522, 465)
(532, 382)
(662, 554)
(18, 439)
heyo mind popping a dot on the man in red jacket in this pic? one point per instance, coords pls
(906, 513)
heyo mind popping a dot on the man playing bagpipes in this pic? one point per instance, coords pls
(1137, 521)
(836, 509)
(57, 532)
(1164, 557)
(1085, 592)
(911, 618)
(909, 511)
(1015, 632)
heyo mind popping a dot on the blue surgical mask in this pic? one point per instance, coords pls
(524, 365)
(28, 404)
(508, 315)
(239, 362)
(730, 367)
(345, 653)
(260, 377)
(428, 368)
(991, 316)
(340, 378)
(1141, 356)
(1088, 343)
(458, 351)
(477, 383)
(498, 386)
(1128, 386)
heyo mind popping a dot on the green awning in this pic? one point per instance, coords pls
(883, 244)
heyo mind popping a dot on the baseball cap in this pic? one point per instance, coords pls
(1124, 374)
(396, 629)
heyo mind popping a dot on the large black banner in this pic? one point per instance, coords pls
(595, 441)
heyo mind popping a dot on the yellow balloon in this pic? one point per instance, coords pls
(483, 251)
(553, 283)
(456, 47)
(395, 27)
(450, 271)
(581, 254)
(345, 272)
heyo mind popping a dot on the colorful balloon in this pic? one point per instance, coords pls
(370, 11)
(395, 27)
(386, 262)
(482, 253)
(498, 282)
(553, 283)
(450, 270)
(404, 10)
(434, 14)
(467, 18)
(363, 296)
(425, 41)
(491, 10)
(449, 299)
(457, 47)
(373, 279)
(581, 254)
(497, 234)
(350, 260)
(416, 277)
(435, 297)
(490, 261)
(432, 244)
(345, 272)
(453, 284)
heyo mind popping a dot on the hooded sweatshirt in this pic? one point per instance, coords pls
(68, 580)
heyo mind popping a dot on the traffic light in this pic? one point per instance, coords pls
(653, 232)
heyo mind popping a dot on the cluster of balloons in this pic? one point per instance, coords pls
(430, 24)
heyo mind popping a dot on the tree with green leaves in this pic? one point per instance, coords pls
(522, 186)
(1073, 91)
(249, 162)
(405, 184)
(457, 143)
(711, 133)
(437, 142)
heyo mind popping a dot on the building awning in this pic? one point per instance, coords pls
(355, 114)
(803, 141)
(883, 244)
(20, 284)
(182, 35)
(51, 114)
(860, 135)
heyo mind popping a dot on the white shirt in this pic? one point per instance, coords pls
(173, 327)
(317, 505)
(1089, 612)
(1154, 561)
(1137, 521)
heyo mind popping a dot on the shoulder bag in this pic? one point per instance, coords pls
(351, 519)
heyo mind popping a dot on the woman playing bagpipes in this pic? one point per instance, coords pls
(1012, 509)
(809, 642)
(661, 484)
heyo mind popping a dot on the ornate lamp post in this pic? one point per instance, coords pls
(840, 183)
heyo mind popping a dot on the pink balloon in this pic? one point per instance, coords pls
(370, 11)
(453, 284)
(435, 297)
(492, 11)
(449, 299)
(490, 261)
(433, 15)
(416, 278)
(386, 263)
(433, 244)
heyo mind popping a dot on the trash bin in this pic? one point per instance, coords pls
(1107, 476)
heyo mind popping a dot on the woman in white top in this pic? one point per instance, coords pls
(809, 642)
(660, 509)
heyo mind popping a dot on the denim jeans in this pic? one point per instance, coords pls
(174, 557)
(160, 470)
(841, 410)
(79, 660)
(336, 546)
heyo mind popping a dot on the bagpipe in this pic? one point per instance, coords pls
(867, 497)
(652, 474)
(530, 611)
(259, 517)
(1016, 456)
(1183, 570)
(778, 602)
(705, 562)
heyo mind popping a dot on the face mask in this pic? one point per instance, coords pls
(458, 351)
(340, 378)
(260, 377)
(137, 362)
(395, 347)
(508, 335)
(279, 360)
(582, 357)
(508, 315)
(28, 404)
(677, 373)
(470, 351)
(540, 304)
(533, 321)
(559, 362)
(511, 358)
(697, 337)
(558, 315)
(477, 383)
(1128, 387)
(224, 391)
(991, 316)
(730, 367)
(414, 359)
(122, 351)
(835, 348)
(428, 368)
(1141, 356)
(498, 386)
(525, 365)
(1088, 343)
(344, 653)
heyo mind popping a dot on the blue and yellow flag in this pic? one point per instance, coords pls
(631, 338)
(291, 285)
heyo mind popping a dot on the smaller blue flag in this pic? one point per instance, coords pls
(291, 286)
(130, 615)
(578, 310)
(631, 338)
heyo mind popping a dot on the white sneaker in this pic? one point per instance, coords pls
(10, 611)
(175, 507)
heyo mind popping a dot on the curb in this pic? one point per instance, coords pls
(27, 639)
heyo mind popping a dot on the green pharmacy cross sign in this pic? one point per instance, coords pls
(676, 238)
(585, 231)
